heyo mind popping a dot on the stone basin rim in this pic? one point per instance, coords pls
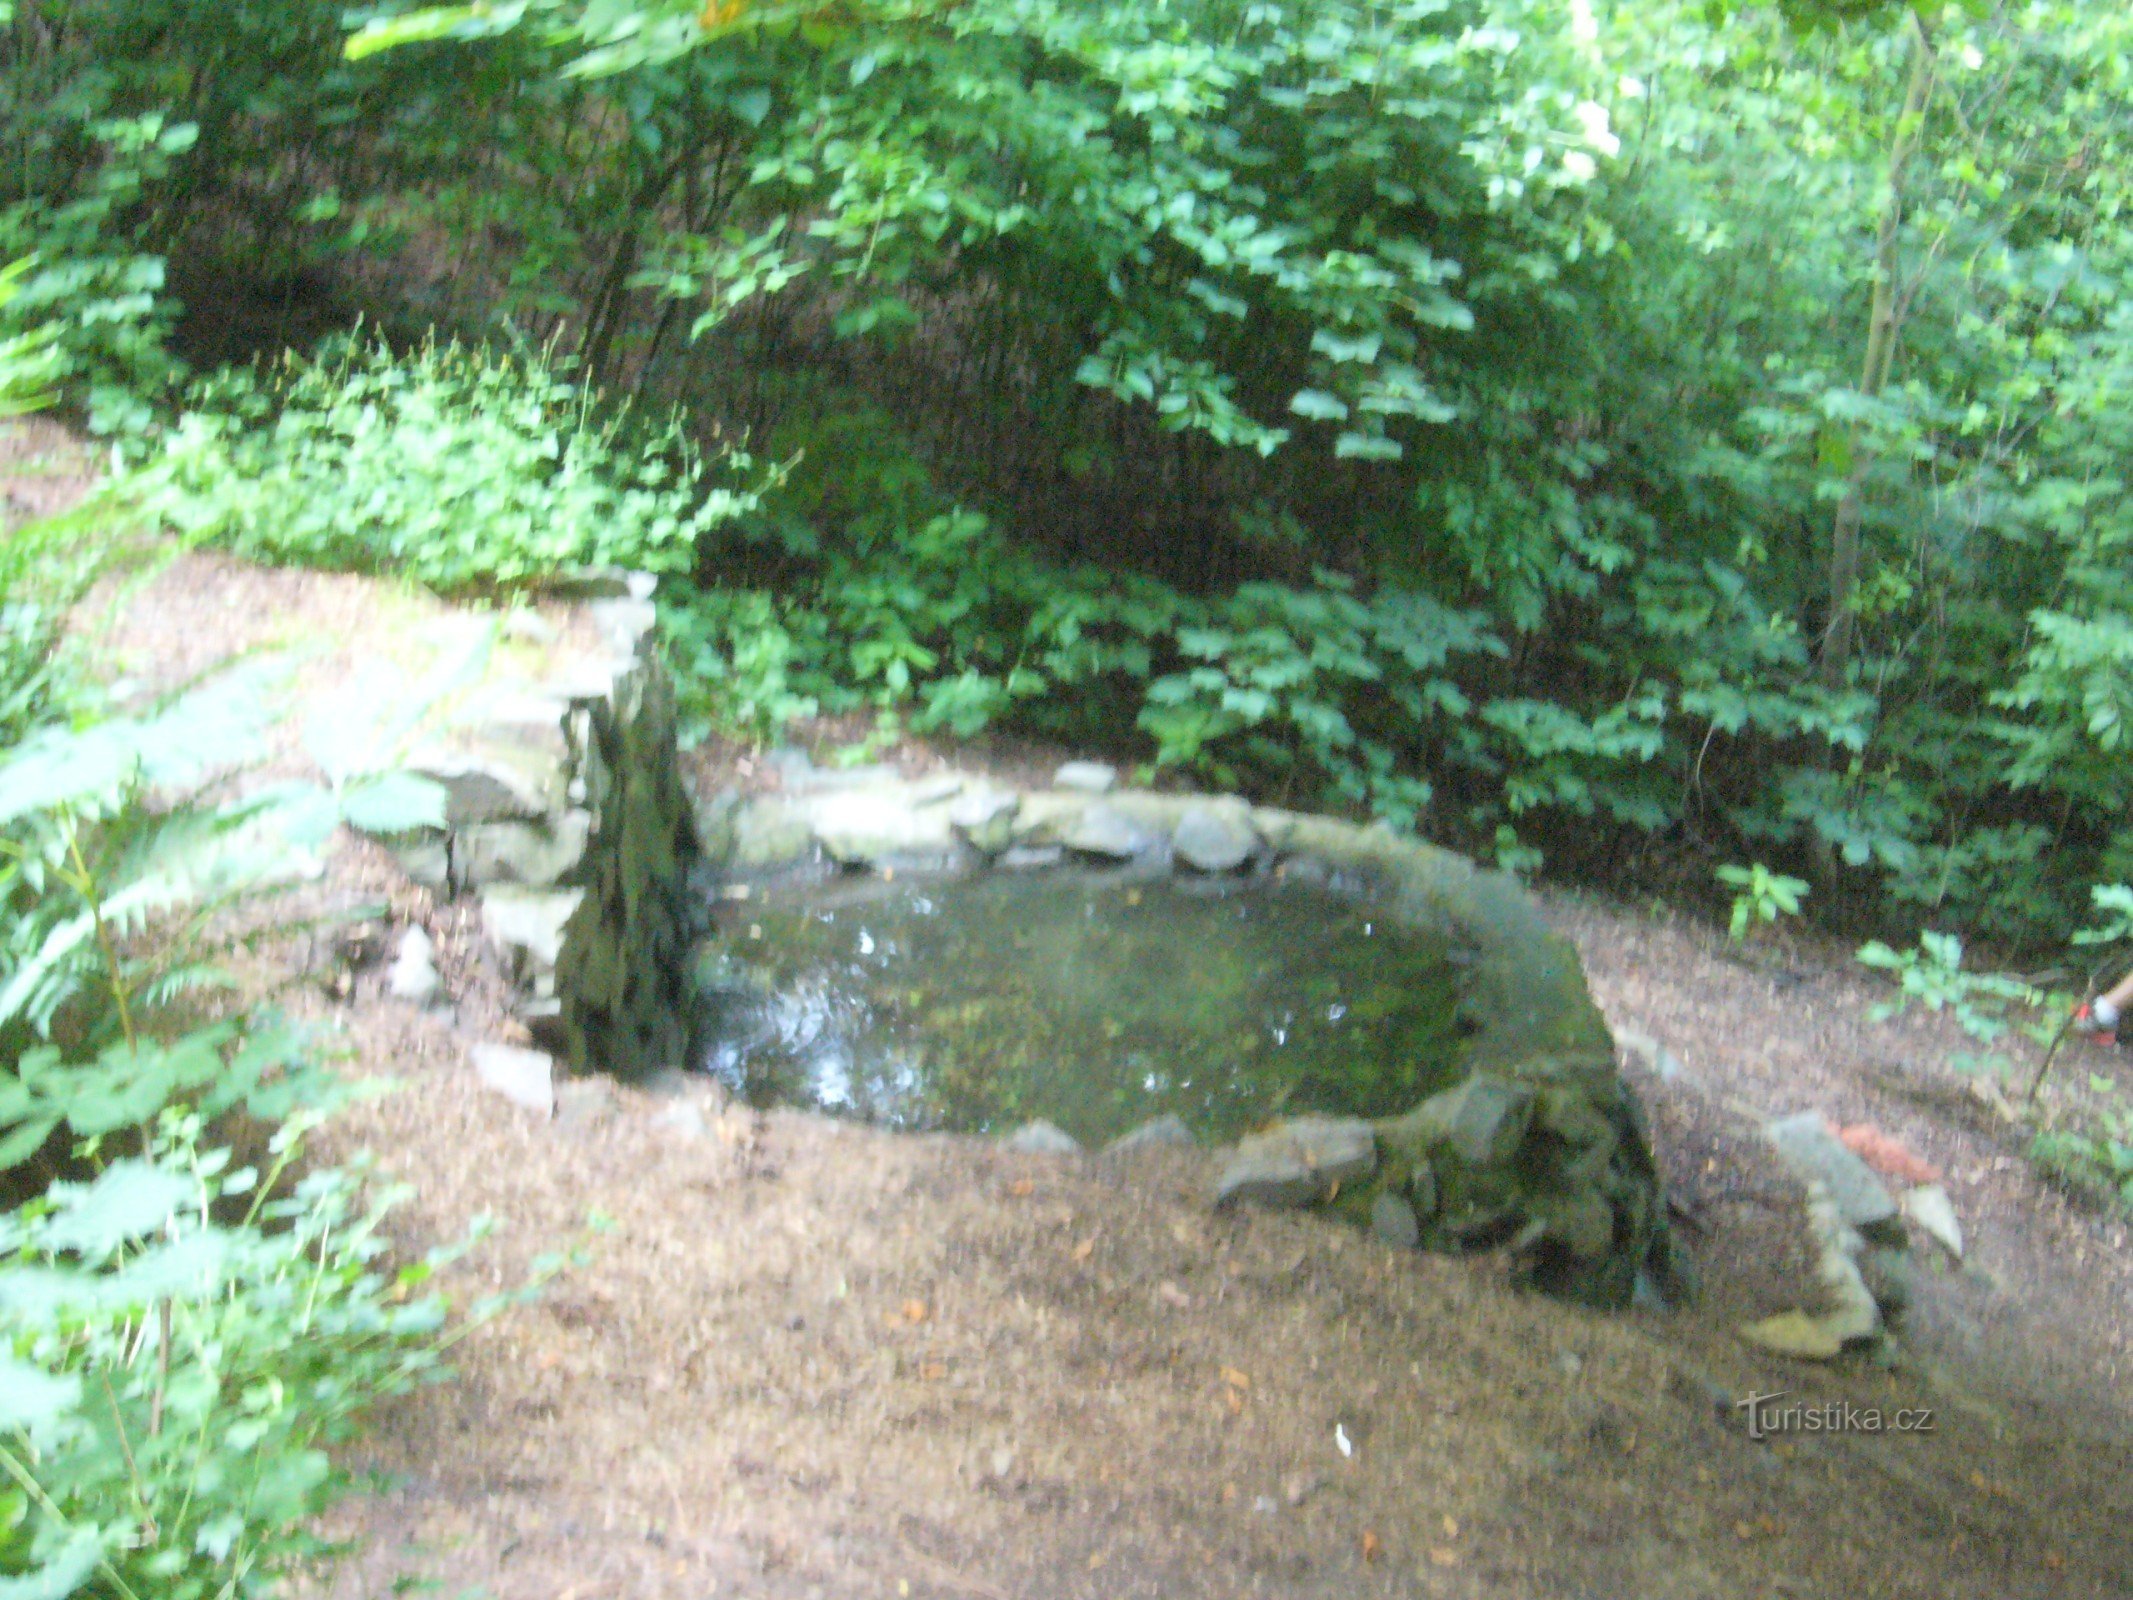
(1521, 988)
(1541, 1148)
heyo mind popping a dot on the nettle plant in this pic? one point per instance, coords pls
(1984, 1004)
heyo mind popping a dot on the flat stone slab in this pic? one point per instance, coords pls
(1298, 1163)
(1211, 838)
(524, 1077)
(1086, 777)
(1816, 1155)
(866, 827)
(488, 785)
(1041, 1138)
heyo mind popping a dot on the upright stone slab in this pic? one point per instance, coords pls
(622, 975)
(565, 813)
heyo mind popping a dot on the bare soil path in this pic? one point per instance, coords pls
(809, 1359)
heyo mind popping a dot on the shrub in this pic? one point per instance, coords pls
(456, 467)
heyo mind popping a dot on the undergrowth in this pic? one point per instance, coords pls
(455, 467)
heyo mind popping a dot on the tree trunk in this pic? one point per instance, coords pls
(1882, 333)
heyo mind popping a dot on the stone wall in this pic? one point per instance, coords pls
(567, 820)
(1540, 1150)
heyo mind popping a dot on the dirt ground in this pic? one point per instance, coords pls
(810, 1359)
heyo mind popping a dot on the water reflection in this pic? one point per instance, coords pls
(1096, 1003)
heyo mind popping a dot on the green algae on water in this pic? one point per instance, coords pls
(1096, 1001)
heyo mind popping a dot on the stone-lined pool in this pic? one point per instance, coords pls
(1094, 1000)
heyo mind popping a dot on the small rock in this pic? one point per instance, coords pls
(1003, 1461)
(1393, 1220)
(1264, 1505)
(1795, 1334)
(527, 924)
(1086, 777)
(671, 1083)
(1043, 1138)
(1102, 831)
(1298, 1163)
(1156, 1133)
(532, 853)
(529, 627)
(414, 971)
(1929, 1206)
(1854, 1312)
(425, 856)
(1700, 1388)
(1031, 857)
(524, 1077)
(1215, 838)
(1815, 1154)
(683, 1117)
(985, 819)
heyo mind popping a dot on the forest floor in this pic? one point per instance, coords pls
(805, 1358)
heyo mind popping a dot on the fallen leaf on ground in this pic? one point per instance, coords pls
(1085, 1249)
(1171, 1295)
(1371, 1546)
(1022, 1188)
(1235, 1379)
(1441, 1555)
(1887, 1155)
(1451, 1526)
(915, 1311)
(1234, 1400)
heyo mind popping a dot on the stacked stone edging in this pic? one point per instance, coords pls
(1540, 1149)
(567, 818)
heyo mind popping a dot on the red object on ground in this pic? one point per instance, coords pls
(1888, 1155)
(2085, 1023)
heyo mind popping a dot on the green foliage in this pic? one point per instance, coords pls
(1932, 976)
(1762, 896)
(2094, 1162)
(1409, 407)
(78, 176)
(183, 1331)
(453, 467)
(29, 359)
(184, 1336)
